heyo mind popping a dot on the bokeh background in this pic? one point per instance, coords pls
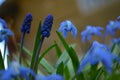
(80, 12)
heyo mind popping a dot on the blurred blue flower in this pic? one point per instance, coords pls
(89, 31)
(49, 77)
(47, 25)
(4, 33)
(112, 26)
(116, 40)
(3, 23)
(27, 23)
(99, 53)
(15, 70)
(67, 26)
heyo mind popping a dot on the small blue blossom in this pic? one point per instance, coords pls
(47, 25)
(112, 26)
(67, 26)
(15, 70)
(3, 22)
(99, 53)
(49, 77)
(89, 31)
(27, 23)
(4, 33)
(116, 40)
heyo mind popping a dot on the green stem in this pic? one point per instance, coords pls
(4, 50)
(37, 55)
(21, 46)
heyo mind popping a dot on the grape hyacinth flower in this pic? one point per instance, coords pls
(67, 26)
(25, 28)
(45, 32)
(16, 70)
(99, 53)
(47, 25)
(49, 77)
(27, 23)
(112, 26)
(89, 31)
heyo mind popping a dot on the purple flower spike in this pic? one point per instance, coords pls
(27, 23)
(47, 25)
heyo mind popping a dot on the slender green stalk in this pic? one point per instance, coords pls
(4, 50)
(38, 53)
(21, 46)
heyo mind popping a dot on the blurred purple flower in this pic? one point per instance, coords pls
(99, 53)
(15, 70)
(112, 26)
(49, 77)
(90, 31)
(27, 23)
(67, 26)
(47, 25)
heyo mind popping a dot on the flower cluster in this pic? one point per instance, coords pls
(68, 65)
(47, 25)
(27, 23)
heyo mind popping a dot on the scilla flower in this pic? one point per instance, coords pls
(3, 23)
(4, 33)
(47, 25)
(49, 77)
(116, 40)
(67, 26)
(27, 23)
(112, 27)
(15, 70)
(90, 31)
(98, 53)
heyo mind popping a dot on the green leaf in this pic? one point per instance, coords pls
(60, 69)
(58, 51)
(36, 44)
(115, 48)
(67, 73)
(47, 66)
(44, 53)
(1, 62)
(63, 58)
(71, 52)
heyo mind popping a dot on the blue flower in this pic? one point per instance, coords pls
(3, 22)
(116, 40)
(49, 77)
(27, 23)
(15, 70)
(112, 27)
(89, 31)
(99, 53)
(67, 26)
(4, 33)
(47, 25)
